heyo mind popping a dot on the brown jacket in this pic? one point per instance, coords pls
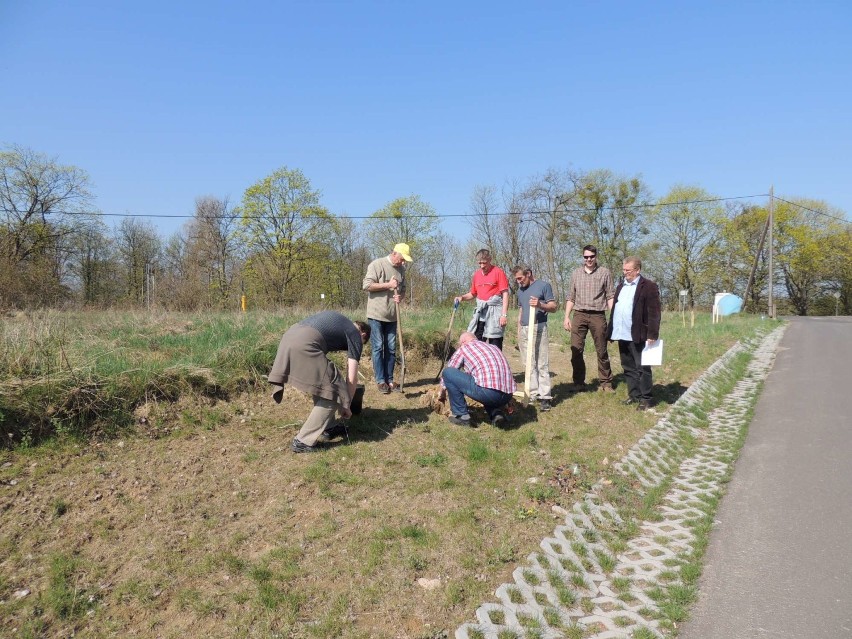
(646, 311)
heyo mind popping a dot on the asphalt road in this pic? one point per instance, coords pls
(779, 564)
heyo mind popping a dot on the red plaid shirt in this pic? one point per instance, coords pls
(486, 364)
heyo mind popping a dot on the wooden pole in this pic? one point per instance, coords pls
(525, 394)
(756, 261)
(771, 251)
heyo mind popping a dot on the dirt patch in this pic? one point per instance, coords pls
(205, 524)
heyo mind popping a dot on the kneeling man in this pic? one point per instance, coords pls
(486, 378)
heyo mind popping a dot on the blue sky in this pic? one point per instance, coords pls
(162, 102)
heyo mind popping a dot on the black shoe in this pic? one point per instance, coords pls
(458, 420)
(630, 401)
(332, 432)
(643, 405)
(498, 420)
(300, 447)
(544, 405)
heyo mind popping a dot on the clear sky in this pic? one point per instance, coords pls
(162, 102)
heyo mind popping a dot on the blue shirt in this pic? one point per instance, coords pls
(540, 289)
(622, 312)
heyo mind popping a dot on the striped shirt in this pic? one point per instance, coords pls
(590, 291)
(486, 364)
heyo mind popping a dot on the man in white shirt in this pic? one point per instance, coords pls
(635, 322)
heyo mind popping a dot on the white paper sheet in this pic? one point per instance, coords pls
(652, 354)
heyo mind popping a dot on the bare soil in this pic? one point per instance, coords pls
(203, 523)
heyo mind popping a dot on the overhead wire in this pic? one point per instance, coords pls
(818, 212)
(558, 210)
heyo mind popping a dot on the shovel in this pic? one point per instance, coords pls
(447, 341)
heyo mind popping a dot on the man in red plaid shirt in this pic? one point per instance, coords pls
(486, 378)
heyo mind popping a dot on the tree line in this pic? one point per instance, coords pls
(279, 246)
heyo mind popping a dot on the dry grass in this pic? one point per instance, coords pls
(206, 525)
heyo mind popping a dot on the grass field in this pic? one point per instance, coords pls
(193, 518)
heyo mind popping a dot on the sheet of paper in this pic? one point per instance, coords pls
(652, 354)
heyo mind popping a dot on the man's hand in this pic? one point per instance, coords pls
(567, 323)
(392, 284)
(345, 413)
(503, 320)
(534, 302)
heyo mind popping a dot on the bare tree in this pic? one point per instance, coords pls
(42, 205)
(139, 249)
(546, 198)
(212, 245)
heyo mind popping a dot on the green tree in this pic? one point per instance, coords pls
(687, 232)
(415, 222)
(734, 255)
(281, 220)
(805, 243)
(608, 211)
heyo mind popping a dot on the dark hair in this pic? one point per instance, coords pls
(483, 254)
(589, 247)
(364, 328)
(522, 268)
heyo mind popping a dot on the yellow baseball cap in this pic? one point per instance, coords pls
(403, 249)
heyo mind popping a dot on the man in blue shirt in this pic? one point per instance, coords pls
(635, 322)
(536, 295)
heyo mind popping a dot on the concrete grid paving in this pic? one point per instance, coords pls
(577, 584)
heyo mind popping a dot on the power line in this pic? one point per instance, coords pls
(437, 216)
(801, 206)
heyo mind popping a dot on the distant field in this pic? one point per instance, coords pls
(194, 519)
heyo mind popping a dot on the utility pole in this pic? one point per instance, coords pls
(756, 262)
(771, 312)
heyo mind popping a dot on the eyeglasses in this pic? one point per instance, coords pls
(589, 257)
(482, 262)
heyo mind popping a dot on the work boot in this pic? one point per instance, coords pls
(459, 420)
(332, 432)
(299, 446)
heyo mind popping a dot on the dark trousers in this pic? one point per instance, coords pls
(480, 331)
(595, 323)
(639, 380)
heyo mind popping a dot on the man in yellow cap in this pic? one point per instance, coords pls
(385, 286)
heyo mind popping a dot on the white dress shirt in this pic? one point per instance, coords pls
(622, 312)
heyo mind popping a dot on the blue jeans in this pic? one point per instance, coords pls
(459, 384)
(383, 344)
